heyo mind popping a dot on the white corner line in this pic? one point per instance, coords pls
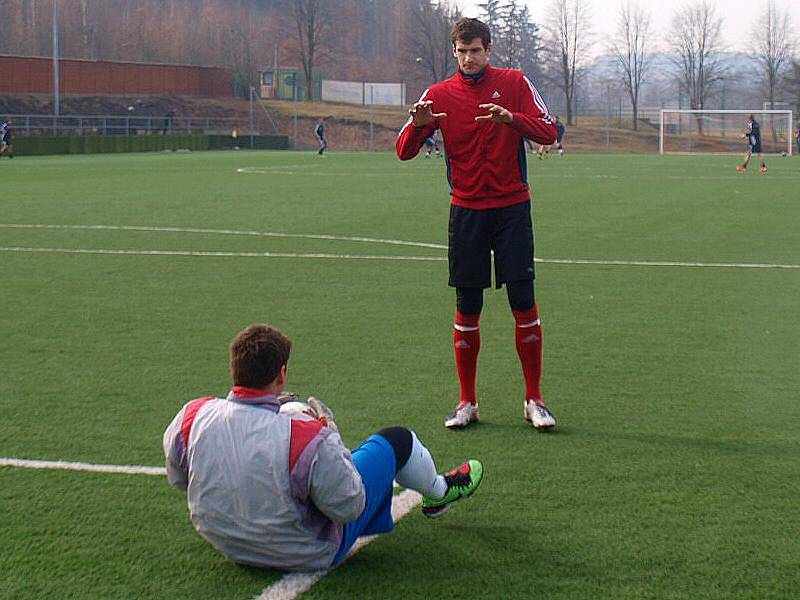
(79, 466)
(293, 584)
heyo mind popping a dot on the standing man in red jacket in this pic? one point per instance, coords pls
(485, 114)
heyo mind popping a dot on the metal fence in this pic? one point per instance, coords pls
(123, 125)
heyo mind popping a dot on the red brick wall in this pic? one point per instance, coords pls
(30, 75)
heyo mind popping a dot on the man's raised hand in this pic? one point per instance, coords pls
(422, 115)
(497, 114)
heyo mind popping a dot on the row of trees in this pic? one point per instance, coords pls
(347, 37)
(694, 43)
(403, 40)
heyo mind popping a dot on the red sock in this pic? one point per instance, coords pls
(467, 343)
(529, 348)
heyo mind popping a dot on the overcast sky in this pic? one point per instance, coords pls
(738, 15)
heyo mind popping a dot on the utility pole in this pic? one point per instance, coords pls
(294, 108)
(275, 74)
(56, 99)
(371, 102)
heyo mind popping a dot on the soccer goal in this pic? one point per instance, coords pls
(685, 131)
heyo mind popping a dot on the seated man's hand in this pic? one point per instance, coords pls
(324, 414)
(285, 397)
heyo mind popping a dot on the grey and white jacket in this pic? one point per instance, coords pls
(264, 488)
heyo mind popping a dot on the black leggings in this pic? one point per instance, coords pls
(469, 301)
(400, 440)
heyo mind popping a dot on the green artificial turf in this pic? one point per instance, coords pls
(674, 471)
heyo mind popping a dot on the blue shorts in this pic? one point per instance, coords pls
(375, 461)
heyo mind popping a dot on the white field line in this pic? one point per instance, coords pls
(220, 254)
(79, 466)
(294, 584)
(552, 261)
(283, 171)
(92, 467)
(663, 263)
(540, 175)
(557, 261)
(289, 586)
(308, 236)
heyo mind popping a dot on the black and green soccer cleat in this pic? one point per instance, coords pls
(461, 483)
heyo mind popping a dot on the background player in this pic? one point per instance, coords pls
(559, 136)
(319, 131)
(431, 144)
(753, 135)
(797, 139)
(544, 150)
(484, 115)
(6, 136)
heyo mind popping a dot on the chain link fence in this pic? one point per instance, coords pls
(32, 125)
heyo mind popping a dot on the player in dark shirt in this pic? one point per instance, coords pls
(431, 145)
(797, 137)
(5, 138)
(559, 136)
(319, 131)
(544, 150)
(753, 135)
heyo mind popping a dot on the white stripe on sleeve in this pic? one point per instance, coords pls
(537, 100)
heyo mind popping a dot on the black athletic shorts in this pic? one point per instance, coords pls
(473, 234)
(755, 146)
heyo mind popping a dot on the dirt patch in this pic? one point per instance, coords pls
(150, 106)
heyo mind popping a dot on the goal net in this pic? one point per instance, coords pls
(684, 131)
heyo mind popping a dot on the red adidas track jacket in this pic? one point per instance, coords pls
(486, 164)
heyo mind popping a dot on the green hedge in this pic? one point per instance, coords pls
(94, 144)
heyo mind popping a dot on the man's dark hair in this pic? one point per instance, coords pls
(257, 355)
(466, 30)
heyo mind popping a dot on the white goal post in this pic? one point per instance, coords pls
(701, 131)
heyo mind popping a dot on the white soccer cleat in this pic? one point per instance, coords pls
(539, 416)
(463, 415)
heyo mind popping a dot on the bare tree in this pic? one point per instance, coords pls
(630, 48)
(429, 41)
(772, 45)
(570, 32)
(490, 13)
(310, 21)
(695, 40)
(792, 83)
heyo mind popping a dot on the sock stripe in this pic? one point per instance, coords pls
(464, 327)
(531, 324)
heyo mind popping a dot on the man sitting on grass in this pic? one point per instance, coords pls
(274, 489)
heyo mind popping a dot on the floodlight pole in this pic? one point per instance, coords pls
(371, 101)
(56, 99)
(252, 125)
